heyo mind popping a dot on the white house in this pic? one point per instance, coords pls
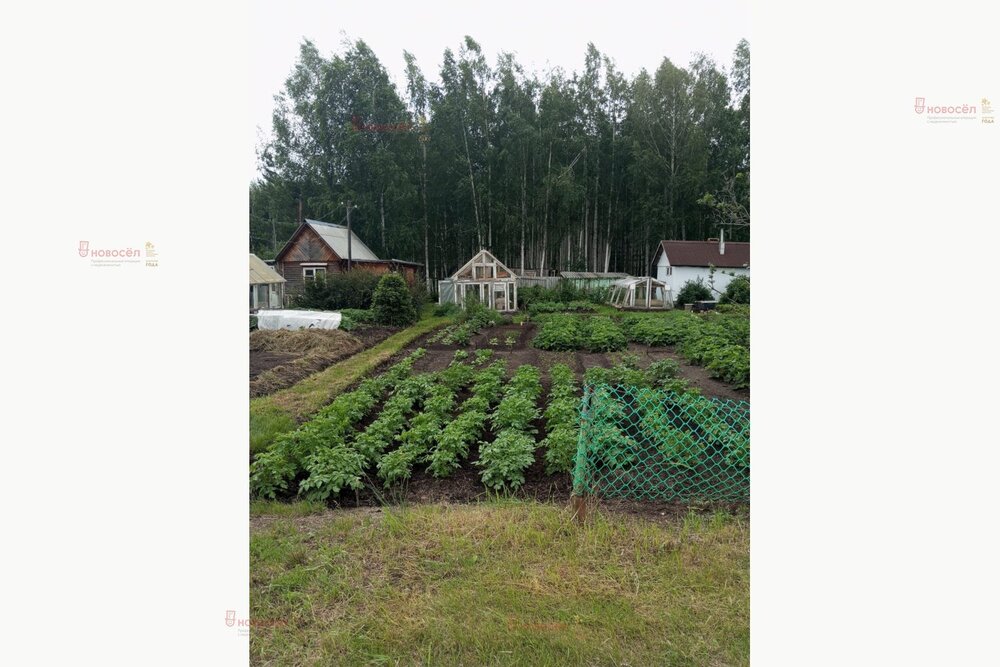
(677, 262)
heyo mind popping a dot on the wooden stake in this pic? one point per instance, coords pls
(579, 504)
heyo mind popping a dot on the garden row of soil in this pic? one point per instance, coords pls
(279, 359)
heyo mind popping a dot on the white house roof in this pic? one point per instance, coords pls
(261, 273)
(336, 237)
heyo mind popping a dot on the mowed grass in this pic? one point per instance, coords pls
(498, 583)
(280, 412)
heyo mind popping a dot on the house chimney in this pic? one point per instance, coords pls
(722, 241)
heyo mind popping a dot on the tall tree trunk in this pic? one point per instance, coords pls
(524, 203)
(489, 206)
(545, 224)
(472, 183)
(611, 198)
(597, 199)
(427, 235)
(381, 207)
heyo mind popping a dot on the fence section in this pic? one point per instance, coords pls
(647, 444)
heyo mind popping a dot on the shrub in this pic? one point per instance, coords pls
(737, 291)
(419, 293)
(392, 303)
(693, 290)
(354, 289)
(352, 318)
(447, 309)
(253, 323)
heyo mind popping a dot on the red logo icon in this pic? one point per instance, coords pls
(230, 618)
(84, 248)
(918, 105)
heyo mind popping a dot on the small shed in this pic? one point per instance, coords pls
(645, 293)
(266, 285)
(485, 278)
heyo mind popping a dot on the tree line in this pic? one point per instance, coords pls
(583, 171)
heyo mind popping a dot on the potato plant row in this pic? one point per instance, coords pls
(513, 450)
(275, 469)
(455, 441)
(720, 341)
(562, 420)
(564, 331)
(461, 334)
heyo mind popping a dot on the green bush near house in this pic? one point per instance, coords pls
(737, 291)
(354, 289)
(392, 303)
(691, 291)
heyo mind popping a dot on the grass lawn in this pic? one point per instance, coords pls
(496, 583)
(278, 413)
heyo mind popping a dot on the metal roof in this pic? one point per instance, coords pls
(336, 237)
(261, 273)
(630, 281)
(591, 275)
(706, 253)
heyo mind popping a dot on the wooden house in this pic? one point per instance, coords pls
(321, 248)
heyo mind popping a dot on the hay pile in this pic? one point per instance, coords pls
(299, 354)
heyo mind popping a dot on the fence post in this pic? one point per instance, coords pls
(578, 499)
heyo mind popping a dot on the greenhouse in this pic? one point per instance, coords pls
(485, 278)
(644, 293)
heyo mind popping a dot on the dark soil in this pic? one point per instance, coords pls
(464, 485)
(275, 369)
(265, 361)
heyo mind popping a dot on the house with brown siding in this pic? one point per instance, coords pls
(320, 248)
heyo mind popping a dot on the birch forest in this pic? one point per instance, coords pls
(551, 171)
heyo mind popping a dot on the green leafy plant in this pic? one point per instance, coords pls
(691, 291)
(392, 303)
(737, 291)
(337, 291)
(505, 459)
(561, 420)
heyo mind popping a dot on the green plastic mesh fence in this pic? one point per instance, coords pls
(647, 444)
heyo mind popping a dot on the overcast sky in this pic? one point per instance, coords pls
(542, 34)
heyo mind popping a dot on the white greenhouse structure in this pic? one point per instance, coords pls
(485, 278)
(644, 293)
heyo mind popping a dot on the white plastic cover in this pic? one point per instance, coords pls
(297, 319)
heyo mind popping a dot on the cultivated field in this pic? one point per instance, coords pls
(412, 499)
(480, 406)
